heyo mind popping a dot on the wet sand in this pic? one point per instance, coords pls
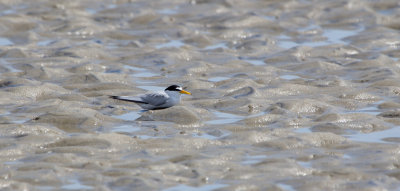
(295, 95)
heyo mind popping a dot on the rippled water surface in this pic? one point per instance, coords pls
(286, 95)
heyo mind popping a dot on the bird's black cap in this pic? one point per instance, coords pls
(174, 88)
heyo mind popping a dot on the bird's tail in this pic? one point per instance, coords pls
(126, 99)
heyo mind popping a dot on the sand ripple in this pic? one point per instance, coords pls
(287, 95)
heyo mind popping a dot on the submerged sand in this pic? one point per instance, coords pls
(287, 95)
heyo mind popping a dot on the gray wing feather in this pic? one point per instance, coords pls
(155, 99)
(128, 98)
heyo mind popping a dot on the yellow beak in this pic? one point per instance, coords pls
(185, 92)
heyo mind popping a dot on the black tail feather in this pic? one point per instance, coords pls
(129, 100)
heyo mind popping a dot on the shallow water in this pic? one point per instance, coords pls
(286, 95)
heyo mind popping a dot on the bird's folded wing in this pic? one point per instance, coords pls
(155, 99)
(129, 98)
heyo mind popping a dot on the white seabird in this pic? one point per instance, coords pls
(157, 100)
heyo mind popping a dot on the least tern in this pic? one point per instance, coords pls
(157, 100)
